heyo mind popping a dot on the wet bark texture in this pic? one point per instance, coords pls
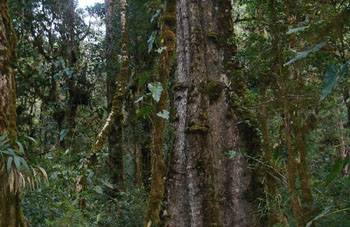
(206, 186)
(10, 211)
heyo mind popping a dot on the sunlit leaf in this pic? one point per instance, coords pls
(156, 89)
(292, 30)
(98, 189)
(305, 53)
(63, 133)
(163, 114)
(139, 99)
(150, 41)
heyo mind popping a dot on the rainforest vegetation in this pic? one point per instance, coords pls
(175, 113)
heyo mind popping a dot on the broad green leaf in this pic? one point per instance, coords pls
(8, 151)
(330, 79)
(163, 114)
(63, 133)
(335, 171)
(17, 162)
(150, 41)
(305, 53)
(20, 146)
(9, 163)
(24, 164)
(156, 89)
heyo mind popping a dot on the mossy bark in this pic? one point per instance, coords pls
(116, 115)
(296, 127)
(158, 128)
(115, 144)
(11, 214)
(206, 186)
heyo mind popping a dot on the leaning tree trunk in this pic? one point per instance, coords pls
(206, 186)
(116, 113)
(10, 210)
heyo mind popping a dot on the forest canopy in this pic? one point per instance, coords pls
(174, 113)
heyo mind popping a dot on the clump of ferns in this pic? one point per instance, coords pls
(14, 168)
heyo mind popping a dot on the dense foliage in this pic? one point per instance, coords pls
(289, 81)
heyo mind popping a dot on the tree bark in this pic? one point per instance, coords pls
(207, 187)
(159, 124)
(11, 214)
(115, 159)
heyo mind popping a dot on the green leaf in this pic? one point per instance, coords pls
(155, 15)
(24, 164)
(164, 114)
(150, 41)
(108, 184)
(292, 30)
(305, 53)
(29, 138)
(17, 162)
(330, 79)
(20, 146)
(69, 72)
(144, 112)
(144, 78)
(63, 133)
(9, 163)
(8, 151)
(335, 171)
(98, 189)
(156, 89)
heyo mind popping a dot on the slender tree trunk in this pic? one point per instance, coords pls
(158, 128)
(207, 187)
(115, 145)
(11, 214)
(116, 113)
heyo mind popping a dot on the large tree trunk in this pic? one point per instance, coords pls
(207, 187)
(10, 211)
